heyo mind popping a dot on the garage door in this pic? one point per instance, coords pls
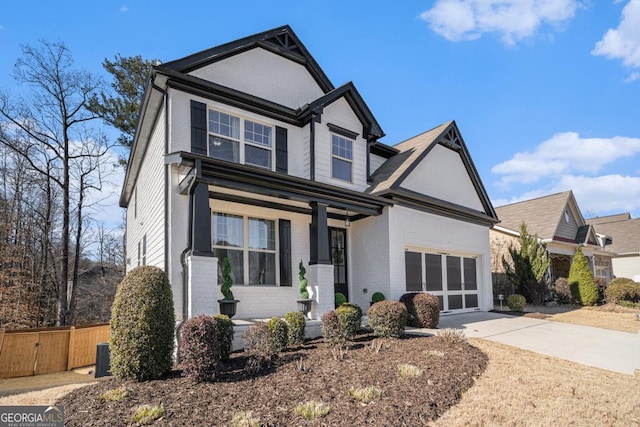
(453, 279)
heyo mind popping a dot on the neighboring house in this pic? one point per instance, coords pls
(247, 151)
(558, 222)
(625, 232)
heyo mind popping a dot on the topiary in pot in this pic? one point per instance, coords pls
(516, 302)
(227, 303)
(304, 293)
(388, 318)
(199, 348)
(142, 326)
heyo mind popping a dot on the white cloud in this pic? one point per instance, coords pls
(124, 9)
(632, 77)
(563, 154)
(623, 42)
(512, 20)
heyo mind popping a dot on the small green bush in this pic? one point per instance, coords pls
(278, 334)
(199, 348)
(350, 316)
(583, 286)
(297, 325)
(258, 348)
(562, 290)
(377, 297)
(423, 309)
(516, 302)
(224, 334)
(332, 330)
(340, 299)
(146, 414)
(142, 326)
(388, 318)
(622, 289)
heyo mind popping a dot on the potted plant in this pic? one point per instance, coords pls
(376, 297)
(227, 303)
(304, 303)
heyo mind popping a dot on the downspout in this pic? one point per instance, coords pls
(312, 149)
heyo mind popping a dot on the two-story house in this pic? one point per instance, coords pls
(248, 151)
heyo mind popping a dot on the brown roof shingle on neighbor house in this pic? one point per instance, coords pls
(624, 230)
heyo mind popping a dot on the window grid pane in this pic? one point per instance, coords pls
(262, 234)
(342, 147)
(224, 124)
(257, 156)
(227, 230)
(257, 133)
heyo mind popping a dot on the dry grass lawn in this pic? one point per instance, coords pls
(522, 388)
(607, 317)
(40, 397)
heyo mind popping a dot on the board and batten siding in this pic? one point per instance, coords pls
(266, 75)
(339, 113)
(432, 233)
(149, 196)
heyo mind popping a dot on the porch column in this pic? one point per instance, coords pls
(320, 272)
(200, 220)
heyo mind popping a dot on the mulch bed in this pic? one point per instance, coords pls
(273, 394)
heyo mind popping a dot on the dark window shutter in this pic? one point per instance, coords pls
(282, 161)
(284, 227)
(198, 128)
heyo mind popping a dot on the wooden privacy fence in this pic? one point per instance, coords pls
(25, 352)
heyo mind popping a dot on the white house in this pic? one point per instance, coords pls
(247, 150)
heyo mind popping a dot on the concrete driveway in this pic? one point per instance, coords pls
(602, 348)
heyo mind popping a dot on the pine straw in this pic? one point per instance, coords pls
(522, 388)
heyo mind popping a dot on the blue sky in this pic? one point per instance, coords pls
(546, 93)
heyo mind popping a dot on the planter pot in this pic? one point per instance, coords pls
(304, 305)
(228, 306)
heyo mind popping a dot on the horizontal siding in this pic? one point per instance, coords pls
(375, 162)
(628, 267)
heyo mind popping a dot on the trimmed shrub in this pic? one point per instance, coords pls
(516, 302)
(278, 334)
(297, 324)
(377, 297)
(583, 286)
(423, 309)
(388, 318)
(332, 330)
(224, 334)
(340, 299)
(199, 348)
(622, 289)
(142, 326)
(562, 289)
(257, 346)
(350, 316)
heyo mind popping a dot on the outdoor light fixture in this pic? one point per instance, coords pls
(347, 222)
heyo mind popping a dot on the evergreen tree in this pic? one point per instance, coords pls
(528, 266)
(583, 286)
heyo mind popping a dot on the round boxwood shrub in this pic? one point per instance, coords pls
(332, 330)
(340, 299)
(142, 326)
(350, 316)
(258, 347)
(377, 297)
(516, 302)
(224, 335)
(388, 318)
(199, 347)
(423, 309)
(622, 289)
(297, 324)
(562, 290)
(278, 334)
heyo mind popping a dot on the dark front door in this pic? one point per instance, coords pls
(338, 242)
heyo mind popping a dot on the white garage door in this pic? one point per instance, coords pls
(453, 279)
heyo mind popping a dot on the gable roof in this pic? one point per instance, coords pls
(388, 178)
(610, 218)
(281, 41)
(541, 215)
(625, 233)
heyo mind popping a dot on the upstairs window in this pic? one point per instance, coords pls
(342, 157)
(225, 142)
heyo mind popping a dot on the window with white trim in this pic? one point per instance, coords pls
(250, 244)
(341, 157)
(240, 140)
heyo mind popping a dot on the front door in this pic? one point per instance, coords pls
(338, 250)
(453, 279)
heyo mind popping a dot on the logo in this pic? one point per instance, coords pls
(31, 416)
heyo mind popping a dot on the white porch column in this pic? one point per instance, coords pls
(320, 278)
(203, 285)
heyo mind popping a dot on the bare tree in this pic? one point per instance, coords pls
(50, 131)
